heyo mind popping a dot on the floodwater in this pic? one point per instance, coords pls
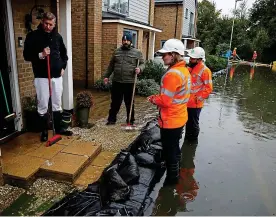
(232, 171)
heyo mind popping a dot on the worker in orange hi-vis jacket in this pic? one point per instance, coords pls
(202, 86)
(234, 54)
(172, 104)
(254, 56)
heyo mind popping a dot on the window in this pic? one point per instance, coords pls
(192, 17)
(118, 6)
(186, 13)
(162, 43)
(134, 36)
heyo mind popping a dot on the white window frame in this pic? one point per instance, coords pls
(11, 53)
(162, 42)
(109, 9)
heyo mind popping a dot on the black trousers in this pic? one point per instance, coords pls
(119, 92)
(192, 125)
(171, 151)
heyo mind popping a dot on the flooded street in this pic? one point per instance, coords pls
(233, 171)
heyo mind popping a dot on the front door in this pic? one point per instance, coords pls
(6, 128)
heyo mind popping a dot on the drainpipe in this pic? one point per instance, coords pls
(86, 44)
(176, 20)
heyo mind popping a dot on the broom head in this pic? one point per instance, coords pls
(53, 140)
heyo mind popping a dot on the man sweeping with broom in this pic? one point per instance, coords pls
(44, 47)
(124, 64)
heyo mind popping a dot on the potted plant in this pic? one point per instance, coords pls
(29, 107)
(84, 102)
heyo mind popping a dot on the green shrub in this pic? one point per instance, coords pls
(153, 71)
(147, 87)
(100, 85)
(215, 63)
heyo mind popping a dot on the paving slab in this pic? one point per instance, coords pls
(19, 148)
(104, 159)
(67, 140)
(89, 149)
(46, 152)
(7, 156)
(89, 175)
(64, 164)
(22, 166)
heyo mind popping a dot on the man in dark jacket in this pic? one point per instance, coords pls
(123, 65)
(38, 45)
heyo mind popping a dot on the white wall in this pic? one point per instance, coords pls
(190, 5)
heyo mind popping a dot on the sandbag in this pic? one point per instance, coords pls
(76, 204)
(149, 134)
(129, 171)
(117, 188)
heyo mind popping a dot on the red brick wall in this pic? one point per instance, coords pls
(165, 19)
(79, 40)
(109, 43)
(25, 74)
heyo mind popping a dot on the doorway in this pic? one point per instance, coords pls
(6, 128)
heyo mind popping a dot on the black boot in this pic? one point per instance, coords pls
(57, 124)
(172, 174)
(43, 127)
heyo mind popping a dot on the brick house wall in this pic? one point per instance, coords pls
(165, 17)
(79, 41)
(112, 34)
(25, 73)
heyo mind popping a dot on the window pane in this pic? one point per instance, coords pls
(124, 6)
(114, 5)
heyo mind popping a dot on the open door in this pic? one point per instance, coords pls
(6, 128)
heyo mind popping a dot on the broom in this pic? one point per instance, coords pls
(130, 127)
(55, 137)
(10, 116)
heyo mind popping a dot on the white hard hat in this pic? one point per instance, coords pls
(197, 53)
(173, 45)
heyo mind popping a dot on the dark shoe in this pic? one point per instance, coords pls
(65, 132)
(44, 136)
(110, 123)
(43, 125)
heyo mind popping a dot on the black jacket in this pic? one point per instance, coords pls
(35, 42)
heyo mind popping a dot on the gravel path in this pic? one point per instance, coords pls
(114, 138)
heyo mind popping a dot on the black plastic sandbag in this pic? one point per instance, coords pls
(149, 134)
(129, 171)
(127, 208)
(76, 204)
(117, 188)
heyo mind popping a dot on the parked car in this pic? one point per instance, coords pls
(158, 58)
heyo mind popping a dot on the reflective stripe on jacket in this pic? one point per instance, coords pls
(202, 85)
(174, 96)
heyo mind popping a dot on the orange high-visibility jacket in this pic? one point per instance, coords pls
(174, 95)
(201, 85)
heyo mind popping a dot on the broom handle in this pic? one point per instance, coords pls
(4, 92)
(133, 93)
(50, 92)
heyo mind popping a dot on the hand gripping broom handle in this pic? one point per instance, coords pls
(133, 93)
(50, 92)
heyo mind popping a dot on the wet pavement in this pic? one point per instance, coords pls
(232, 171)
